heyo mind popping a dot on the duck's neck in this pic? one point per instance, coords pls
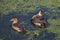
(40, 13)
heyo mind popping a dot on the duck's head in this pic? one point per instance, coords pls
(41, 12)
(14, 20)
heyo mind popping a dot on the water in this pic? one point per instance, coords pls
(6, 33)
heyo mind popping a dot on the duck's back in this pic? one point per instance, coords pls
(19, 25)
(37, 19)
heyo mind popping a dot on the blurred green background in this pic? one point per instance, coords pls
(24, 10)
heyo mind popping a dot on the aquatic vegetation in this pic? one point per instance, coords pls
(9, 6)
(24, 10)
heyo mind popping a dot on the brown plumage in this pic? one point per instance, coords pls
(16, 25)
(37, 20)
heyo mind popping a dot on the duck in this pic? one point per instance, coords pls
(17, 25)
(38, 20)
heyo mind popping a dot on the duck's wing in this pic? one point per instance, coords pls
(36, 21)
(15, 24)
(21, 25)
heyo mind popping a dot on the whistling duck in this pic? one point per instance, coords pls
(38, 20)
(16, 25)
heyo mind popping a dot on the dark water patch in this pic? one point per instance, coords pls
(58, 8)
(1, 0)
(45, 35)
